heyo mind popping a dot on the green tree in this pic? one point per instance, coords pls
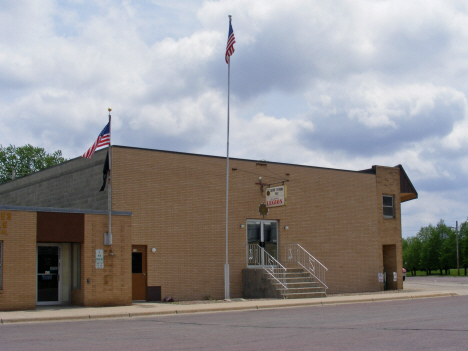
(448, 249)
(412, 253)
(463, 245)
(432, 238)
(24, 160)
(434, 248)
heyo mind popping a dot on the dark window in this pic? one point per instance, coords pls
(137, 262)
(388, 207)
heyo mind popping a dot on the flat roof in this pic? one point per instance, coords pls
(233, 158)
(61, 210)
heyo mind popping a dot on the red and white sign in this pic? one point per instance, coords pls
(276, 196)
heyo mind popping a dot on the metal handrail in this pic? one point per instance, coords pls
(295, 253)
(256, 255)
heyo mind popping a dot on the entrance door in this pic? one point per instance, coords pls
(139, 272)
(48, 274)
(390, 265)
(263, 233)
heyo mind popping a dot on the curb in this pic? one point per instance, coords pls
(224, 308)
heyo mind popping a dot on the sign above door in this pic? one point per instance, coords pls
(276, 196)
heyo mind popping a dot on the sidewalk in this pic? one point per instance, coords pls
(413, 288)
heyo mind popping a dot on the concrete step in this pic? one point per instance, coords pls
(306, 295)
(294, 280)
(297, 285)
(292, 271)
(310, 282)
(297, 275)
(293, 274)
(301, 290)
(300, 284)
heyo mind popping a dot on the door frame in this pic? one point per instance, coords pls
(59, 274)
(262, 236)
(144, 250)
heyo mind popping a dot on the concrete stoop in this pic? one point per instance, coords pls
(301, 285)
(257, 283)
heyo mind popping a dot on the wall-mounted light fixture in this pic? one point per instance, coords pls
(286, 227)
(153, 250)
(242, 226)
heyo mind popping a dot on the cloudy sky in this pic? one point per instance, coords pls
(340, 84)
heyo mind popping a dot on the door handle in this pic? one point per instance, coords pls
(144, 273)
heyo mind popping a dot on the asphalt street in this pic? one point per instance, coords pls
(426, 323)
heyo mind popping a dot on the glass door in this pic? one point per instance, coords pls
(264, 234)
(48, 274)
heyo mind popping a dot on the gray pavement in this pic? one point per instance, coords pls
(414, 288)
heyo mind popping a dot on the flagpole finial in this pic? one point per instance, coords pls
(229, 16)
(109, 109)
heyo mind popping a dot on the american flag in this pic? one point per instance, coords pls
(230, 43)
(102, 140)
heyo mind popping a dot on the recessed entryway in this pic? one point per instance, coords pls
(54, 264)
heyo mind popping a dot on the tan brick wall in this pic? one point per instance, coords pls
(108, 286)
(111, 285)
(178, 205)
(18, 233)
(388, 183)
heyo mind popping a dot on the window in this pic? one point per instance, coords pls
(1, 261)
(388, 208)
(137, 262)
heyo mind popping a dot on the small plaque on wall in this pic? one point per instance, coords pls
(263, 210)
(100, 259)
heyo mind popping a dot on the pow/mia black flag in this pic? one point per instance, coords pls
(105, 170)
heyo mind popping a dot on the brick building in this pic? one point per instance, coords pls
(168, 226)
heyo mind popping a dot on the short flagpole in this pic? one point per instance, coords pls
(109, 187)
(226, 266)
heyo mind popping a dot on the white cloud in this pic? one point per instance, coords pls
(344, 84)
(188, 116)
(267, 137)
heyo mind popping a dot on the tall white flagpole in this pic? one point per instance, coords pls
(226, 265)
(109, 186)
